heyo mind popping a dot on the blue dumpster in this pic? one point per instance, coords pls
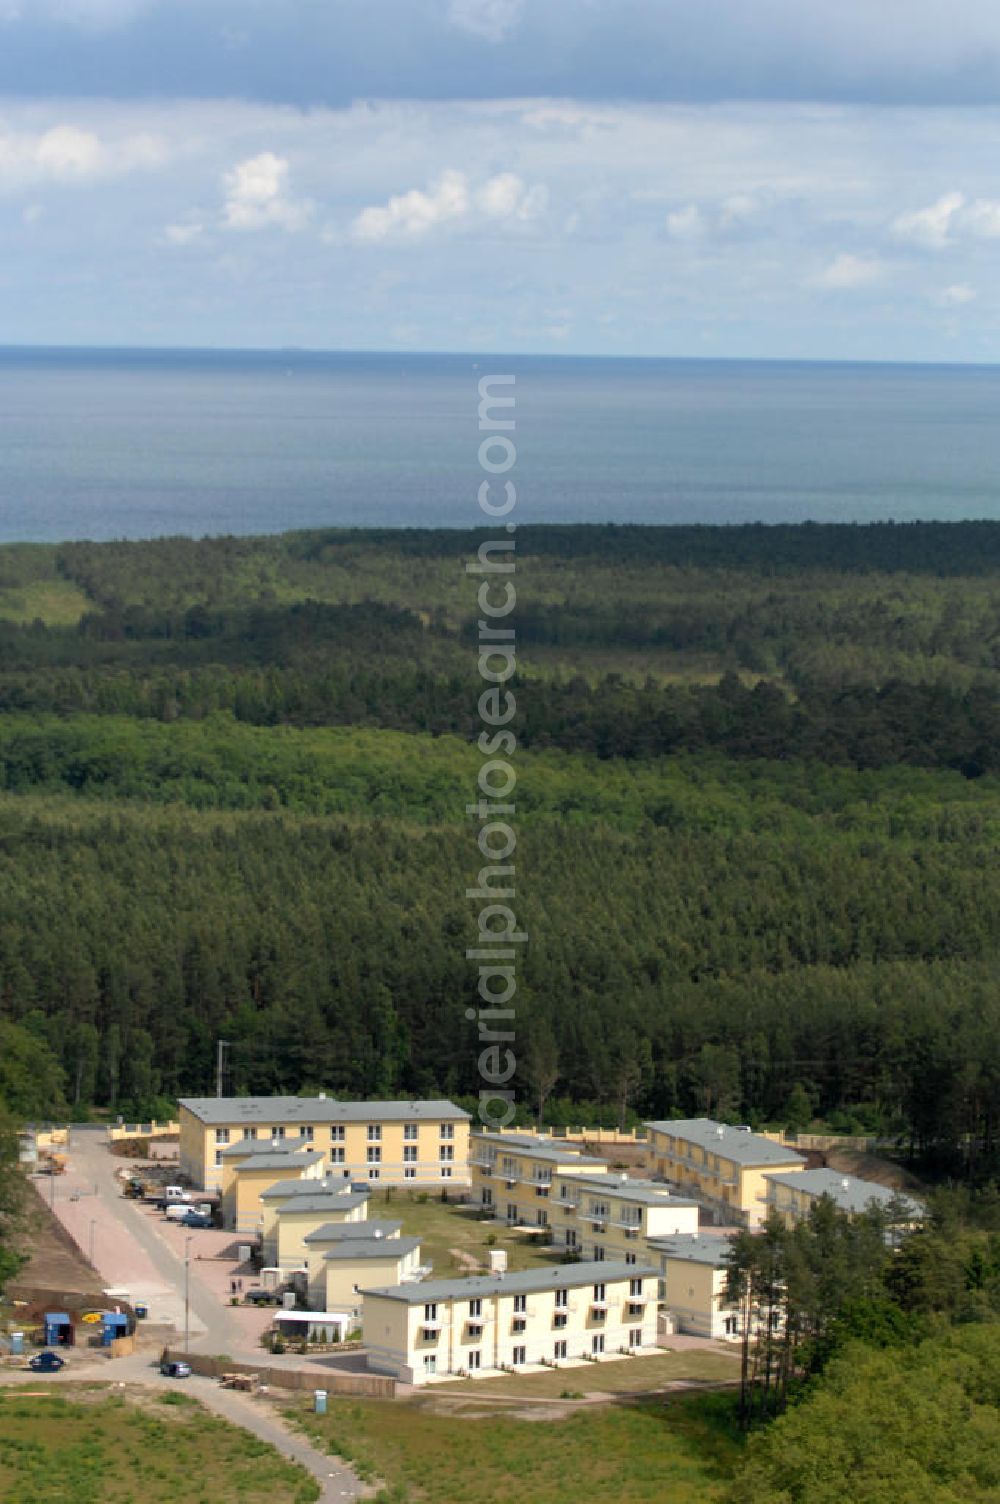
(58, 1329)
(113, 1325)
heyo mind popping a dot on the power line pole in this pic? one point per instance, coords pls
(220, 1065)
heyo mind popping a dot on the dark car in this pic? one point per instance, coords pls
(176, 1369)
(46, 1362)
(259, 1297)
(195, 1219)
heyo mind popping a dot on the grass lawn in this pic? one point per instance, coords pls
(680, 1452)
(159, 1448)
(59, 603)
(441, 1227)
(627, 1376)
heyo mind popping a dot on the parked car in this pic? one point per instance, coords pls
(176, 1369)
(193, 1219)
(260, 1297)
(46, 1362)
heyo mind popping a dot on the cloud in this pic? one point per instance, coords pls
(956, 295)
(492, 19)
(183, 234)
(686, 224)
(449, 200)
(846, 272)
(257, 196)
(930, 226)
(72, 153)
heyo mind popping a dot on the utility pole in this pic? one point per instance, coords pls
(93, 1224)
(187, 1292)
(220, 1067)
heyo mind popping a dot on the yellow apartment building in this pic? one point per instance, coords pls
(419, 1144)
(276, 1196)
(511, 1174)
(249, 1177)
(794, 1193)
(344, 1260)
(613, 1216)
(720, 1166)
(492, 1323)
(302, 1215)
(693, 1285)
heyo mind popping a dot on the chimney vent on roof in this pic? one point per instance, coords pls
(845, 1184)
(720, 1131)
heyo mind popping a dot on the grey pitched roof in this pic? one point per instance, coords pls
(558, 1277)
(696, 1248)
(643, 1192)
(338, 1232)
(849, 1192)
(371, 1248)
(284, 1110)
(741, 1145)
(325, 1203)
(330, 1186)
(245, 1147)
(527, 1146)
(269, 1161)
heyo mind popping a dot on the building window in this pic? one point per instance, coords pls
(732, 1326)
(519, 1324)
(600, 1294)
(277, 1132)
(562, 1300)
(475, 1358)
(409, 1173)
(374, 1154)
(519, 1355)
(249, 1133)
(541, 1218)
(446, 1153)
(222, 1135)
(445, 1172)
(559, 1350)
(598, 1254)
(374, 1133)
(520, 1304)
(487, 1197)
(634, 1312)
(447, 1130)
(475, 1308)
(410, 1131)
(635, 1336)
(374, 1174)
(597, 1343)
(307, 1132)
(430, 1363)
(409, 1154)
(218, 1157)
(431, 1312)
(630, 1258)
(571, 1237)
(560, 1319)
(336, 1156)
(337, 1133)
(635, 1287)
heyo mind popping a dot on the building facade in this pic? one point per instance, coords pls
(613, 1217)
(692, 1285)
(419, 1144)
(720, 1166)
(489, 1324)
(339, 1196)
(792, 1195)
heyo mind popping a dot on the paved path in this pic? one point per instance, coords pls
(130, 1253)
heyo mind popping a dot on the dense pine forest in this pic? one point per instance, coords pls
(758, 815)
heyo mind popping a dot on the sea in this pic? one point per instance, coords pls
(143, 443)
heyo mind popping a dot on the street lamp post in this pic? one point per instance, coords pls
(93, 1225)
(187, 1292)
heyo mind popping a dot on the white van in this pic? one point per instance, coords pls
(176, 1193)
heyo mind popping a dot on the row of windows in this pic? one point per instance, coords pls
(411, 1131)
(446, 1154)
(560, 1300)
(519, 1354)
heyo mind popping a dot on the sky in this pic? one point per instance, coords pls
(764, 178)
